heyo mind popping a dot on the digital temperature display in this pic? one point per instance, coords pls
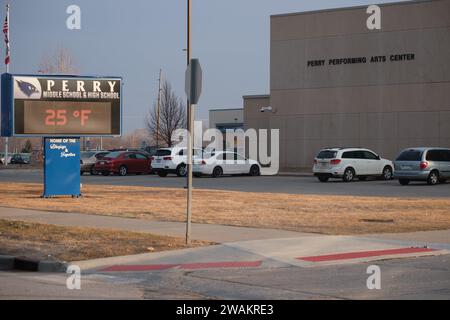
(83, 118)
(60, 106)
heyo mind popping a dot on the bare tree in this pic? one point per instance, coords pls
(172, 116)
(61, 62)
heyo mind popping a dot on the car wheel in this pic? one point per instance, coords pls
(404, 182)
(93, 172)
(123, 171)
(105, 173)
(217, 172)
(362, 178)
(323, 178)
(433, 178)
(349, 175)
(254, 170)
(387, 173)
(182, 170)
(162, 174)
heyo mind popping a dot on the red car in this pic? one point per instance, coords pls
(123, 163)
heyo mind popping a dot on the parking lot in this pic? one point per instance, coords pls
(272, 184)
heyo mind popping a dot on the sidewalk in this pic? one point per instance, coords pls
(207, 232)
(303, 252)
(243, 247)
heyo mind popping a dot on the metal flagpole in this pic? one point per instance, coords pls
(7, 71)
(8, 51)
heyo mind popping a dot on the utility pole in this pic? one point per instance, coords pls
(158, 109)
(190, 117)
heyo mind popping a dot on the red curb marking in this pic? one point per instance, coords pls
(200, 265)
(139, 267)
(231, 264)
(364, 254)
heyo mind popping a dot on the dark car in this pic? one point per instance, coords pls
(19, 159)
(151, 150)
(88, 159)
(123, 163)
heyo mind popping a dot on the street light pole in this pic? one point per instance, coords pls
(158, 109)
(190, 118)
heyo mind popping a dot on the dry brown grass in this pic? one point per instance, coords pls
(306, 213)
(42, 241)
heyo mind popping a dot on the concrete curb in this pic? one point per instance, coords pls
(11, 168)
(295, 174)
(6, 262)
(25, 264)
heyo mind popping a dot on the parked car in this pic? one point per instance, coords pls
(150, 150)
(88, 159)
(17, 158)
(224, 162)
(2, 159)
(123, 163)
(423, 164)
(172, 160)
(348, 163)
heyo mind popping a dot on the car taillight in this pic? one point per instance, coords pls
(167, 158)
(335, 162)
(315, 161)
(152, 158)
(423, 165)
(203, 162)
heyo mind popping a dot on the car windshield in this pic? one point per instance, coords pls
(163, 152)
(113, 154)
(410, 155)
(85, 155)
(327, 154)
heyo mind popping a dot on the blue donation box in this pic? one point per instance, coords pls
(62, 167)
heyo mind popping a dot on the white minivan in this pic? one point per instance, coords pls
(348, 163)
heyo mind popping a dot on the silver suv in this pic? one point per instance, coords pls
(423, 164)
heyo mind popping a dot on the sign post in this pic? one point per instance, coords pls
(193, 89)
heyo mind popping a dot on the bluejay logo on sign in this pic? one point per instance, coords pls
(27, 88)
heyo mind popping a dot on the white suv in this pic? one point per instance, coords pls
(348, 163)
(172, 160)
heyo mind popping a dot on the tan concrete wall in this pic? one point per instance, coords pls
(253, 117)
(225, 116)
(383, 106)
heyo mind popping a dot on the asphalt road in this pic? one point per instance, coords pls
(271, 184)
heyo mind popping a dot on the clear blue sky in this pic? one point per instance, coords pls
(135, 38)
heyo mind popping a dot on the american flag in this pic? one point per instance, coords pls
(6, 33)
